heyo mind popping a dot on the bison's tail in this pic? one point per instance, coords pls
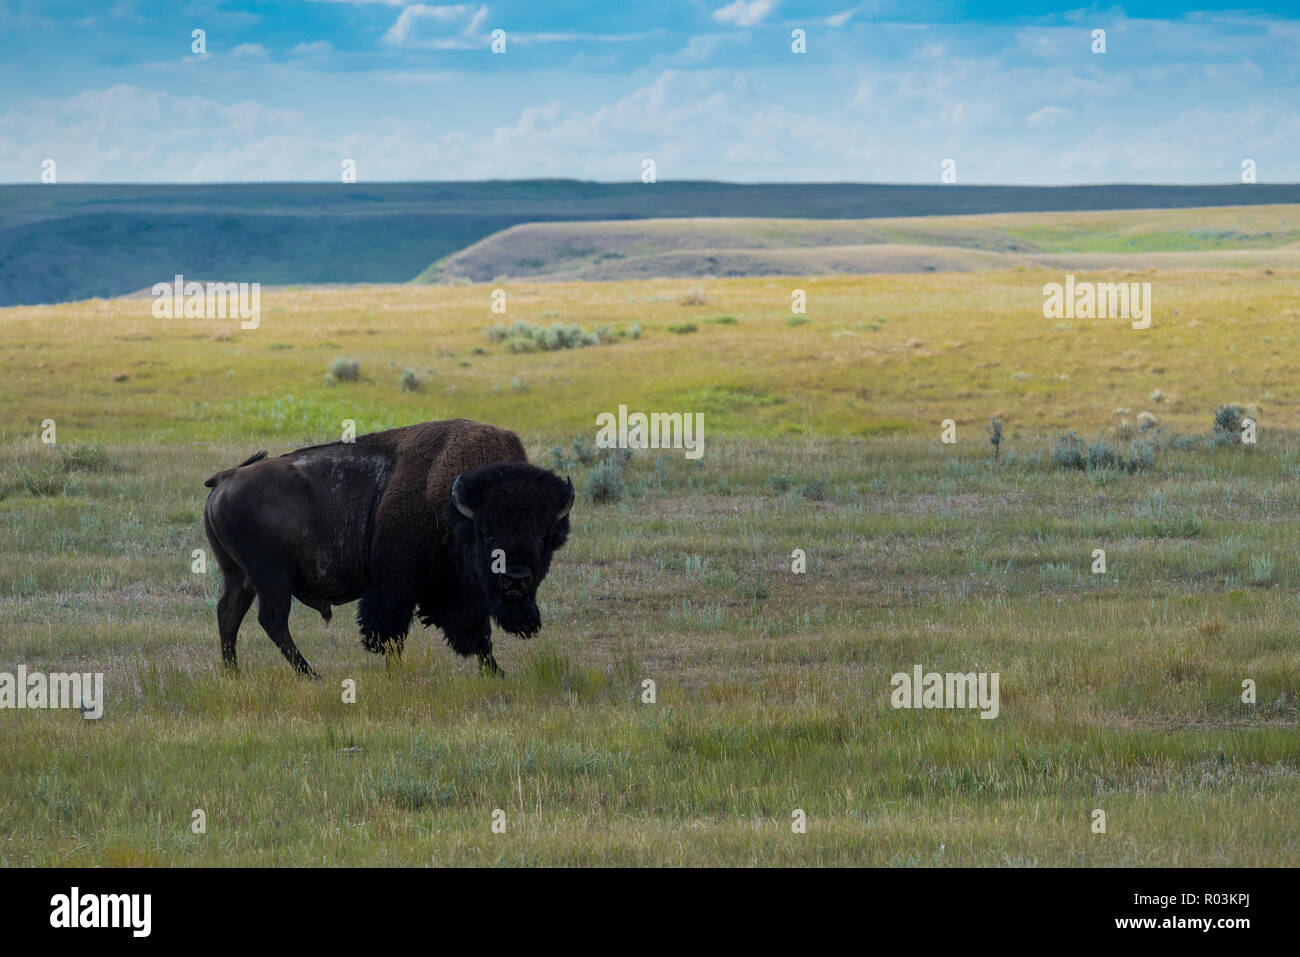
(255, 457)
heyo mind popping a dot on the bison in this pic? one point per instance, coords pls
(446, 520)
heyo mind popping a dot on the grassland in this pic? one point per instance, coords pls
(1119, 691)
(878, 354)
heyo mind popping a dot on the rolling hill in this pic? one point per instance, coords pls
(682, 248)
(71, 242)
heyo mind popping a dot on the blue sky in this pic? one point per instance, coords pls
(709, 89)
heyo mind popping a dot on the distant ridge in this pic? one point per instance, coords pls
(65, 242)
(1202, 238)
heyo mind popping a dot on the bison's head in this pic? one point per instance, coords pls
(507, 519)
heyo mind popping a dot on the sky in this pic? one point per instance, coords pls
(113, 91)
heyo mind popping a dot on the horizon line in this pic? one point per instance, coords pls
(634, 182)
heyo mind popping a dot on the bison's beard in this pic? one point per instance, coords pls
(520, 618)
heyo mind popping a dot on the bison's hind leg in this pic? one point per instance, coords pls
(232, 606)
(273, 604)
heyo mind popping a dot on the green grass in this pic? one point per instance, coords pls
(1118, 691)
(880, 355)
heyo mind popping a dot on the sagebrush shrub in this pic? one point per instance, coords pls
(344, 370)
(1068, 453)
(521, 336)
(1227, 424)
(605, 482)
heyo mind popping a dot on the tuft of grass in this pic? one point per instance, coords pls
(1261, 570)
(86, 457)
(1181, 526)
(815, 490)
(410, 788)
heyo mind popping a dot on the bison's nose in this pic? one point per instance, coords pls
(519, 575)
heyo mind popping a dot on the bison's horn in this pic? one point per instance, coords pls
(568, 505)
(455, 498)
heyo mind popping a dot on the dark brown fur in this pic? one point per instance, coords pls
(373, 520)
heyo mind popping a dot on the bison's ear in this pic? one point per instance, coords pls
(458, 501)
(567, 505)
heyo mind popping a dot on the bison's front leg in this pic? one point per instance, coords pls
(487, 664)
(467, 628)
(384, 617)
(474, 638)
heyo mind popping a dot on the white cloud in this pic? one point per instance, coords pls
(249, 51)
(1048, 116)
(456, 27)
(744, 14)
(419, 77)
(700, 50)
(460, 27)
(128, 134)
(317, 48)
(524, 39)
(1242, 75)
(1004, 118)
(585, 62)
